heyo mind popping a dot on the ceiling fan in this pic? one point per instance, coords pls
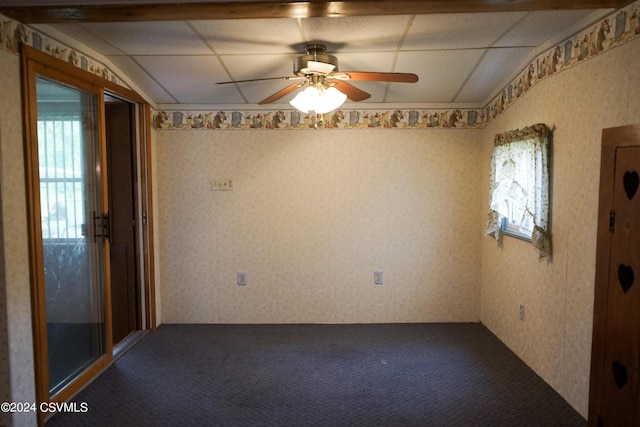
(319, 70)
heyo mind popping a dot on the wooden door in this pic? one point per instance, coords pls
(125, 289)
(615, 362)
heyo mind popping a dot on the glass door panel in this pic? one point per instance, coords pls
(72, 229)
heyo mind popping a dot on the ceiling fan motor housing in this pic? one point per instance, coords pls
(315, 52)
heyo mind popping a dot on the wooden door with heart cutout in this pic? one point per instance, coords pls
(615, 360)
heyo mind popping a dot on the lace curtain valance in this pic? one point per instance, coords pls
(520, 183)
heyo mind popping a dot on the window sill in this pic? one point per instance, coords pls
(513, 231)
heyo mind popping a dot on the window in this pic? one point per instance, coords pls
(61, 195)
(519, 189)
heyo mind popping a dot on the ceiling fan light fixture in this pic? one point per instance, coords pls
(302, 100)
(320, 99)
(328, 87)
(330, 99)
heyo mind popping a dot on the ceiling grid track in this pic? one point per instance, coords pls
(160, 85)
(486, 51)
(218, 57)
(397, 52)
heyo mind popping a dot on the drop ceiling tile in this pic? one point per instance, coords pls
(79, 32)
(353, 34)
(150, 38)
(492, 71)
(371, 61)
(243, 67)
(538, 27)
(400, 93)
(191, 79)
(440, 73)
(255, 36)
(142, 79)
(458, 31)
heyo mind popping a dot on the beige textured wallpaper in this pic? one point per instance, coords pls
(311, 217)
(555, 338)
(15, 241)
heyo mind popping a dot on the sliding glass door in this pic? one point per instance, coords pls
(77, 280)
(72, 229)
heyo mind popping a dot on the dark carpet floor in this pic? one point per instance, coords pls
(320, 375)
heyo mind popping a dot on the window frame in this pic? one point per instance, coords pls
(513, 230)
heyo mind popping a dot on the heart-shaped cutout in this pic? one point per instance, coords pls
(626, 277)
(620, 374)
(630, 181)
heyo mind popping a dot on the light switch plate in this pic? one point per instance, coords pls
(222, 184)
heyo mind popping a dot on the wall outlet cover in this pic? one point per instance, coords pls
(378, 277)
(242, 278)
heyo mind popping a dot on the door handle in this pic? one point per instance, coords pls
(102, 226)
(106, 226)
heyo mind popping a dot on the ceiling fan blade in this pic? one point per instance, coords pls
(366, 76)
(261, 79)
(287, 90)
(352, 92)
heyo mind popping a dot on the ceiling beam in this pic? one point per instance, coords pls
(191, 11)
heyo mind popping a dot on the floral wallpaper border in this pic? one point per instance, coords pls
(617, 28)
(13, 33)
(344, 119)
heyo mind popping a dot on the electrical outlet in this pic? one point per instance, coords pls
(378, 278)
(522, 311)
(242, 278)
